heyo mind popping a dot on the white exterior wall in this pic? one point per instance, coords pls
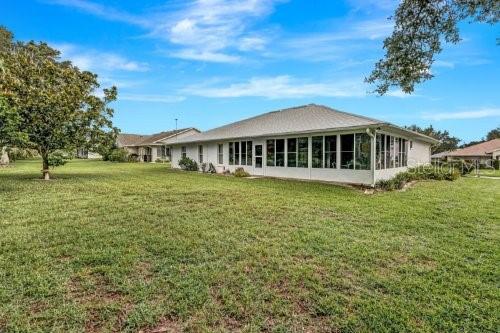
(420, 153)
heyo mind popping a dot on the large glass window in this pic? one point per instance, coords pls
(200, 153)
(183, 152)
(391, 152)
(258, 156)
(249, 152)
(270, 158)
(231, 153)
(347, 151)
(280, 152)
(243, 153)
(291, 153)
(380, 151)
(303, 155)
(363, 149)
(331, 151)
(397, 152)
(237, 153)
(317, 151)
(220, 153)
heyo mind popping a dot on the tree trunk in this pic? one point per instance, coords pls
(4, 158)
(45, 170)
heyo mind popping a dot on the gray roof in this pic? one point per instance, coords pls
(144, 140)
(301, 119)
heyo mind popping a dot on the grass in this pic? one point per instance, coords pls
(128, 247)
(489, 172)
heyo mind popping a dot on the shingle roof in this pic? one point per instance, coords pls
(144, 140)
(297, 119)
(301, 119)
(481, 149)
(124, 139)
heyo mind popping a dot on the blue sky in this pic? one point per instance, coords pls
(211, 62)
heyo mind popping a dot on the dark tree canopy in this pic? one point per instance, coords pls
(446, 141)
(420, 27)
(56, 104)
(493, 134)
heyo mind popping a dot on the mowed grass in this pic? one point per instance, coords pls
(129, 247)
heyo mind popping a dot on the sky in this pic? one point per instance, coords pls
(211, 62)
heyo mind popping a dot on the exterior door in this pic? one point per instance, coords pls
(258, 162)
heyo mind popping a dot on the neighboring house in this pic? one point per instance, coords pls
(149, 148)
(309, 142)
(482, 152)
(439, 157)
(86, 154)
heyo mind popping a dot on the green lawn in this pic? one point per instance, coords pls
(489, 172)
(123, 247)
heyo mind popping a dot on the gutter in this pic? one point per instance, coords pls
(372, 155)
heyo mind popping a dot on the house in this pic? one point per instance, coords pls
(482, 153)
(309, 142)
(87, 154)
(149, 148)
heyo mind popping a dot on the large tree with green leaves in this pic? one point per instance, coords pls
(446, 141)
(420, 27)
(493, 134)
(57, 105)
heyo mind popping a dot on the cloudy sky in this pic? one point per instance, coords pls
(211, 62)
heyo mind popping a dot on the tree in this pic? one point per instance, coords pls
(10, 132)
(446, 141)
(57, 104)
(420, 27)
(493, 134)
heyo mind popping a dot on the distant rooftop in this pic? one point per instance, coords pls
(481, 149)
(125, 139)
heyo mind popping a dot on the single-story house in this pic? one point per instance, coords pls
(483, 153)
(150, 148)
(309, 142)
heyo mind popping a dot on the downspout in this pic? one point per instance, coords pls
(372, 155)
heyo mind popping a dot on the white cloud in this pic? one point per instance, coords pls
(204, 30)
(93, 60)
(151, 98)
(208, 56)
(279, 87)
(341, 41)
(470, 114)
(443, 63)
(106, 12)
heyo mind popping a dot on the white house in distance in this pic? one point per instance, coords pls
(149, 148)
(309, 142)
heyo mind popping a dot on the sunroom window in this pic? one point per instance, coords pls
(291, 153)
(347, 151)
(303, 152)
(363, 149)
(317, 151)
(331, 151)
(243, 153)
(231, 153)
(270, 158)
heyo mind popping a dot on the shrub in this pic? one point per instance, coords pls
(211, 168)
(419, 173)
(496, 164)
(188, 164)
(56, 159)
(133, 158)
(118, 155)
(21, 154)
(203, 167)
(240, 172)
